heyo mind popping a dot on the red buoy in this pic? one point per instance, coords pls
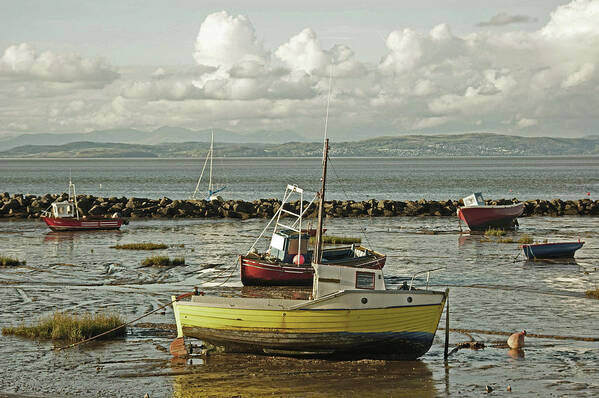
(298, 259)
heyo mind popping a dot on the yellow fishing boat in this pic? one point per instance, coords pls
(365, 320)
(350, 313)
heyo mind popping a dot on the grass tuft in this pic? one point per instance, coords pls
(495, 232)
(525, 239)
(62, 326)
(162, 261)
(141, 246)
(10, 262)
(505, 240)
(592, 293)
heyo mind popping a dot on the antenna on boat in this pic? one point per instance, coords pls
(193, 197)
(326, 119)
(211, 156)
(325, 155)
(73, 196)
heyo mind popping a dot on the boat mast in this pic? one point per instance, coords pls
(73, 197)
(318, 248)
(211, 153)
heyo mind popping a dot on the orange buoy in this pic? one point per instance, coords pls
(516, 340)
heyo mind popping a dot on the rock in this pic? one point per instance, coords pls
(97, 210)
(165, 202)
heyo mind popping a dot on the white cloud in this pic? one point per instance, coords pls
(22, 62)
(577, 19)
(225, 40)
(435, 80)
(161, 90)
(580, 76)
(524, 123)
(303, 52)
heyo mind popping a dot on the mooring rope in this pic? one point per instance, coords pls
(230, 268)
(123, 325)
(535, 335)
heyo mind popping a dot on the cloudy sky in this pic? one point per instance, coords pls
(399, 67)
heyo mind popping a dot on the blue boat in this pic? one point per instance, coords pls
(551, 250)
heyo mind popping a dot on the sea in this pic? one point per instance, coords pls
(348, 178)
(493, 291)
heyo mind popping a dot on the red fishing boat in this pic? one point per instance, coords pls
(480, 217)
(64, 216)
(288, 261)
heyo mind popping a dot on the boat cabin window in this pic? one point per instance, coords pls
(365, 280)
(476, 199)
(285, 245)
(63, 209)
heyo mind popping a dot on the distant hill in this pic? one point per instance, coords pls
(161, 135)
(408, 146)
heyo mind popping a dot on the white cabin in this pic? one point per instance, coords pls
(64, 209)
(476, 199)
(333, 278)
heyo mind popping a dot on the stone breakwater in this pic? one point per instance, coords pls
(31, 206)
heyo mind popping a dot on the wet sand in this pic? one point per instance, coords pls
(489, 291)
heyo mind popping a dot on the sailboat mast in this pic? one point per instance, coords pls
(318, 248)
(211, 153)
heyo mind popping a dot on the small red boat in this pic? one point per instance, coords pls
(266, 270)
(480, 217)
(82, 224)
(288, 260)
(64, 216)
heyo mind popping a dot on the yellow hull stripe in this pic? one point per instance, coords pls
(379, 320)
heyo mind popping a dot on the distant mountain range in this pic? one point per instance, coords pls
(407, 146)
(159, 136)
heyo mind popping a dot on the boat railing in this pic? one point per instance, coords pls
(297, 224)
(428, 274)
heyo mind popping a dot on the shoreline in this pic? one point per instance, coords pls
(20, 206)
